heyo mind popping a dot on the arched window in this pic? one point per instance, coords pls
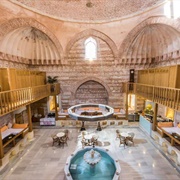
(90, 49)
(171, 9)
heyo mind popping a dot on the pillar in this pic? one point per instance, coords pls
(29, 117)
(155, 117)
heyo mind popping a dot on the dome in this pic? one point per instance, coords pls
(88, 10)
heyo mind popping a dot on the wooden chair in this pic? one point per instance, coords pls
(130, 138)
(122, 141)
(63, 141)
(117, 134)
(66, 131)
(55, 139)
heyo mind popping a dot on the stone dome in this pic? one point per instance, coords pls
(88, 10)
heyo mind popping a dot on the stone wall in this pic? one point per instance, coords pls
(91, 92)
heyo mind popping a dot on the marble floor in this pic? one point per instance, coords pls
(42, 161)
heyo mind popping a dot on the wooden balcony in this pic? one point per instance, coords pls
(14, 99)
(166, 96)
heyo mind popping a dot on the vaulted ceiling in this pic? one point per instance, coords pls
(152, 41)
(30, 43)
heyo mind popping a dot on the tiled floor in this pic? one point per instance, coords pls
(42, 161)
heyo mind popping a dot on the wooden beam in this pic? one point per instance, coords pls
(1, 147)
(56, 110)
(29, 117)
(155, 117)
(127, 86)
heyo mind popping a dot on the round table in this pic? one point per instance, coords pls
(90, 136)
(60, 134)
(124, 134)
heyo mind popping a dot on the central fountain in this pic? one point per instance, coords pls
(92, 163)
(92, 157)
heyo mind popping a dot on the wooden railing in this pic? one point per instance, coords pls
(14, 99)
(166, 96)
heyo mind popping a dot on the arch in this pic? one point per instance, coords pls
(151, 20)
(16, 23)
(95, 33)
(78, 84)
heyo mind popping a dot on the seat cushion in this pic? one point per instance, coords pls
(18, 126)
(4, 128)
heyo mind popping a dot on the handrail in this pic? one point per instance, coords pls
(14, 99)
(166, 96)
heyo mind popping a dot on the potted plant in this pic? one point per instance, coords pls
(52, 80)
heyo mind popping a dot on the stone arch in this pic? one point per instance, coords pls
(151, 20)
(95, 33)
(75, 87)
(16, 23)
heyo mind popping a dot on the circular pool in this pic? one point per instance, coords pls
(78, 169)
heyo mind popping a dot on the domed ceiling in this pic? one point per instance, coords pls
(88, 10)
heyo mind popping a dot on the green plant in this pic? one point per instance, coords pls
(52, 80)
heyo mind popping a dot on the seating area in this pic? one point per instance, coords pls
(167, 129)
(125, 138)
(11, 132)
(60, 138)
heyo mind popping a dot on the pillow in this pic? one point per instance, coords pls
(165, 124)
(20, 126)
(4, 128)
(179, 125)
(9, 125)
(116, 110)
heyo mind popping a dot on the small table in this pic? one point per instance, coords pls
(124, 134)
(90, 136)
(60, 134)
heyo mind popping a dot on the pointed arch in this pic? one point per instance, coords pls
(93, 33)
(79, 83)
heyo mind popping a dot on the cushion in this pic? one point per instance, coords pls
(4, 128)
(165, 124)
(19, 126)
(179, 125)
(116, 110)
(9, 125)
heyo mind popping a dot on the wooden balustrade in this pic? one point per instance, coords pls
(14, 99)
(169, 97)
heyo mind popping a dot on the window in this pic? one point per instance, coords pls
(167, 9)
(171, 9)
(176, 10)
(90, 49)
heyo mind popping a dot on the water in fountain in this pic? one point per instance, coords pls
(103, 170)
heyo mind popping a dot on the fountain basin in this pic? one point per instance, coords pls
(77, 168)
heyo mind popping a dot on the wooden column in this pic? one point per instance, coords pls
(1, 147)
(56, 110)
(155, 117)
(29, 117)
(127, 86)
